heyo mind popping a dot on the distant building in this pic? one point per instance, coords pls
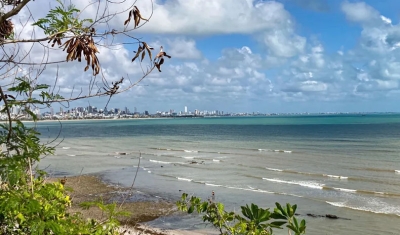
(186, 109)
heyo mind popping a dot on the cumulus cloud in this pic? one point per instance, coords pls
(198, 17)
(284, 66)
(183, 48)
(359, 12)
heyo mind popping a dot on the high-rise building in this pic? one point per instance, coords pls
(186, 109)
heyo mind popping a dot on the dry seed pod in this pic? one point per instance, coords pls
(160, 58)
(140, 49)
(6, 29)
(143, 55)
(135, 13)
(148, 49)
(83, 45)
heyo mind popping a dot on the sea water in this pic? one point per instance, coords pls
(346, 165)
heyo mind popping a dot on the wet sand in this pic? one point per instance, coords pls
(142, 207)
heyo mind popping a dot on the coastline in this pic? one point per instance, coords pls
(142, 207)
(95, 119)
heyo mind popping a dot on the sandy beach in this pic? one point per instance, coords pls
(142, 208)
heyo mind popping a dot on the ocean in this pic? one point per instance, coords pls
(346, 165)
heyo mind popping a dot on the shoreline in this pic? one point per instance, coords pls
(143, 207)
(94, 119)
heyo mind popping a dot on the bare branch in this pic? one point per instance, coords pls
(14, 11)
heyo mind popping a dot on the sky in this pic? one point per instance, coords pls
(253, 56)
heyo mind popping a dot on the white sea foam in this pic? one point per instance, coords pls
(188, 157)
(155, 161)
(308, 184)
(190, 151)
(184, 179)
(216, 160)
(71, 155)
(273, 169)
(249, 189)
(336, 176)
(346, 190)
(382, 209)
(213, 185)
(148, 171)
(282, 151)
(289, 194)
(397, 171)
(263, 150)
(66, 147)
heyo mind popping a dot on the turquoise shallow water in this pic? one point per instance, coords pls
(348, 165)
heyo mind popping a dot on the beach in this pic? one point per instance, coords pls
(341, 165)
(141, 207)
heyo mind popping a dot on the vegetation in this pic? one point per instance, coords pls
(253, 220)
(29, 204)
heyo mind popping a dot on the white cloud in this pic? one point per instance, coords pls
(285, 67)
(213, 16)
(283, 42)
(183, 48)
(360, 12)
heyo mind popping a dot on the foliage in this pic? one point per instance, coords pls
(29, 204)
(253, 221)
(62, 19)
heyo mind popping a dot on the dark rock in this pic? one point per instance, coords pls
(331, 216)
(312, 215)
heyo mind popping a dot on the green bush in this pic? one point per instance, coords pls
(252, 221)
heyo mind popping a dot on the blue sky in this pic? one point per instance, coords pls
(266, 56)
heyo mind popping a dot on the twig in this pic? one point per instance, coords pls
(14, 11)
(133, 183)
(8, 114)
(30, 172)
(80, 174)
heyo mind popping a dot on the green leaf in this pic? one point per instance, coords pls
(278, 223)
(191, 209)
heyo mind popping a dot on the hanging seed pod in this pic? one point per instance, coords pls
(83, 47)
(6, 29)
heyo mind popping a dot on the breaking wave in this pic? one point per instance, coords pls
(184, 179)
(382, 208)
(163, 162)
(308, 184)
(273, 169)
(282, 151)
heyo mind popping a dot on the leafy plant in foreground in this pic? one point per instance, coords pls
(252, 221)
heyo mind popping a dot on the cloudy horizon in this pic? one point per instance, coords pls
(256, 56)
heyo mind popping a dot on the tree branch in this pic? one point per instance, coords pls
(8, 113)
(14, 11)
